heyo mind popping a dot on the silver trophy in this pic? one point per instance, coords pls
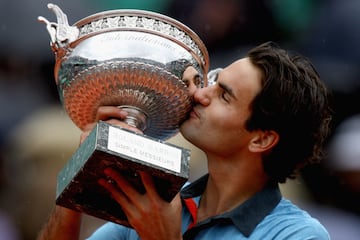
(135, 60)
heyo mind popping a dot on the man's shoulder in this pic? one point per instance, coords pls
(291, 222)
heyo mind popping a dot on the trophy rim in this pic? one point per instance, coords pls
(199, 44)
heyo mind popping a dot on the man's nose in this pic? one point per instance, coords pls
(202, 96)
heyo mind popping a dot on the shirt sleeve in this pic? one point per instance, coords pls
(113, 231)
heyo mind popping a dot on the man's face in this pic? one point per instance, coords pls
(216, 123)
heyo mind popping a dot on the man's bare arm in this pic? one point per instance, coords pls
(63, 224)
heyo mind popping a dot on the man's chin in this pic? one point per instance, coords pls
(188, 131)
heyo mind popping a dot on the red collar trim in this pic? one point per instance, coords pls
(192, 207)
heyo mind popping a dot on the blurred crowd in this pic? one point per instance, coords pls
(37, 137)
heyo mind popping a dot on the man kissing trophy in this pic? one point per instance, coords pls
(133, 59)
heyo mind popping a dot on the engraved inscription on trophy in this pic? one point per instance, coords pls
(135, 60)
(144, 149)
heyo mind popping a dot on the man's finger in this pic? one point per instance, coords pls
(108, 112)
(130, 192)
(149, 185)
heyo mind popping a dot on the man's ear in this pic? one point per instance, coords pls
(263, 141)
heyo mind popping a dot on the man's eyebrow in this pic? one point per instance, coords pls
(227, 89)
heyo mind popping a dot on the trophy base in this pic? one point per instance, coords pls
(128, 152)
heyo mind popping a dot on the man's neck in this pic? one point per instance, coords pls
(229, 185)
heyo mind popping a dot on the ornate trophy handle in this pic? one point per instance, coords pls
(61, 33)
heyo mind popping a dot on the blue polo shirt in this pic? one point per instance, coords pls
(266, 215)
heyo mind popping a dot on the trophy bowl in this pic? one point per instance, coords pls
(130, 58)
(133, 59)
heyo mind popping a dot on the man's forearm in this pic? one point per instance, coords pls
(63, 224)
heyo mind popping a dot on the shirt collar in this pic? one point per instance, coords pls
(247, 215)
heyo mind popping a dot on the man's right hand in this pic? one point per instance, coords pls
(112, 115)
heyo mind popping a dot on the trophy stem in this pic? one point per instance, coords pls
(136, 117)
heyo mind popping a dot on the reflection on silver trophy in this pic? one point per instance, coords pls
(135, 60)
